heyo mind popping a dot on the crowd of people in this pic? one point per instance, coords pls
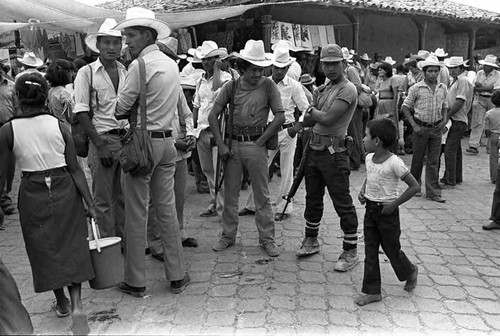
(230, 117)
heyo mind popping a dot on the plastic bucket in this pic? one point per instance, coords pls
(108, 263)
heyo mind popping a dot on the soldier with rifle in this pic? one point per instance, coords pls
(328, 160)
(250, 97)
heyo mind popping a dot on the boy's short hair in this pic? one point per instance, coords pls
(495, 98)
(384, 129)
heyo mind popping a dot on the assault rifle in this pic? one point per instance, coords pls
(299, 176)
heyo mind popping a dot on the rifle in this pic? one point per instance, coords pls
(225, 122)
(298, 177)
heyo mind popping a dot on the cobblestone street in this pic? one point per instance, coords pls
(458, 290)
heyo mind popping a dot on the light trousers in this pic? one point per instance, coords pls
(479, 108)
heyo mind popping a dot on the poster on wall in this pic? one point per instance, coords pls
(275, 32)
(305, 37)
(296, 34)
(287, 32)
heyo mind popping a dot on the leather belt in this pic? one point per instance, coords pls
(248, 130)
(116, 131)
(47, 172)
(425, 124)
(160, 135)
(242, 138)
(282, 127)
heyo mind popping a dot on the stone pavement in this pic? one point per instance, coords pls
(458, 288)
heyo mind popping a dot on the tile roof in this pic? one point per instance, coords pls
(437, 8)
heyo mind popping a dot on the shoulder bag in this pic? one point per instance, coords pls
(78, 133)
(136, 154)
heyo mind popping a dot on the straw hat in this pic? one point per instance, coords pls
(490, 60)
(195, 58)
(389, 60)
(346, 55)
(440, 52)
(290, 45)
(420, 56)
(30, 59)
(307, 79)
(254, 53)
(106, 29)
(169, 47)
(374, 65)
(365, 57)
(352, 52)
(210, 49)
(429, 61)
(137, 16)
(455, 61)
(281, 57)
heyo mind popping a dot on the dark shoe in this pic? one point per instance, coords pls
(159, 257)
(9, 209)
(178, 286)
(189, 242)
(280, 217)
(244, 186)
(491, 226)
(202, 190)
(310, 245)
(246, 212)
(438, 199)
(131, 290)
(472, 150)
(221, 245)
(418, 194)
(447, 186)
(210, 212)
(147, 251)
(60, 312)
(271, 249)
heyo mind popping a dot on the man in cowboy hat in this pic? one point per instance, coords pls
(328, 163)
(292, 96)
(207, 88)
(30, 63)
(459, 98)
(483, 89)
(428, 99)
(444, 74)
(106, 76)
(295, 69)
(252, 95)
(141, 30)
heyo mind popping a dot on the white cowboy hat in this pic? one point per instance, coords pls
(30, 59)
(365, 57)
(346, 55)
(490, 60)
(137, 16)
(289, 45)
(195, 58)
(455, 61)
(389, 60)
(281, 57)
(169, 46)
(352, 52)
(440, 52)
(210, 49)
(429, 61)
(106, 29)
(420, 56)
(254, 53)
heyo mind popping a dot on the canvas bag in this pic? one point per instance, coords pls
(78, 133)
(136, 154)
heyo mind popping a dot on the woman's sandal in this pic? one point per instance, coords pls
(60, 313)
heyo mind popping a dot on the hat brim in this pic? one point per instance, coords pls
(161, 27)
(443, 55)
(483, 62)
(260, 63)
(282, 65)
(313, 79)
(91, 40)
(365, 59)
(193, 59)
(38, 63)
(448, 65)
(390, 63)
(331, 59)
(422, 64)
(214, 53)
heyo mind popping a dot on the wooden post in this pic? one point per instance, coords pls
(422, 31)
(472, 43)
(266, 31)
(354, 19)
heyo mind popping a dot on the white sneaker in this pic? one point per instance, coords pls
(347, 260)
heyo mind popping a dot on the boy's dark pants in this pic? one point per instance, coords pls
(382, 230)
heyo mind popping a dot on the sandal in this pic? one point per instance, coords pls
(60, 313)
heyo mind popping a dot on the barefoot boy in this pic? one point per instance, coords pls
(381, 224)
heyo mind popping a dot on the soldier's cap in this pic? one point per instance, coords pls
(331, 53)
